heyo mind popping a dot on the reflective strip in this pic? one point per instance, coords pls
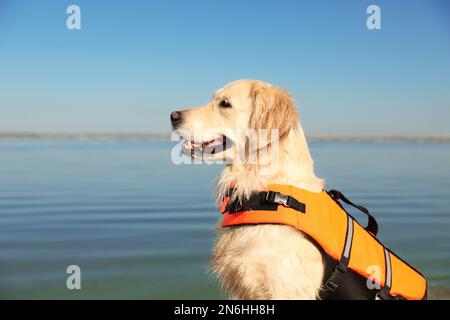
(387, 257)
(348, 240)
(335, 279)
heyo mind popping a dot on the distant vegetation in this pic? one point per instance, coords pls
(162, 136)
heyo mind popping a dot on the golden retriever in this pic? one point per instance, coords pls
(258, 261)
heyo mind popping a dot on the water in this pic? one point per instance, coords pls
(140, 227)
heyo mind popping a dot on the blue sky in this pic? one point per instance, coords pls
(135, 61)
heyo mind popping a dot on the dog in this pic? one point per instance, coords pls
(265, 261)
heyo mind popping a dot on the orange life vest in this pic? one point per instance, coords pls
(358, 265)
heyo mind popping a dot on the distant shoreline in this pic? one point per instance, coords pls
(165, 137)
(439, 293)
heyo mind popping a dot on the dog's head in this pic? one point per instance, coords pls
(222, 127)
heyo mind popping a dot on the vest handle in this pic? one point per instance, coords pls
(372, 225)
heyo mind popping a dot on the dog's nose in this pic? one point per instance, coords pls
(175, 118)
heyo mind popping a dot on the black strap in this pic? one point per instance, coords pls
(384, 293)
(333, 282)
(264, 200)
(372, 225)
(285, 200)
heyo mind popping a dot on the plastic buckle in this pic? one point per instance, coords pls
(270, 195)
(342, 268)
(383, 294)
(281, 199)
(330, 285)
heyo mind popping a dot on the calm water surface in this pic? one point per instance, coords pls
(140, 227)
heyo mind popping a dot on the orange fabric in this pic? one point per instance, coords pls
(406, 282)
(326, 222)
(367, 255)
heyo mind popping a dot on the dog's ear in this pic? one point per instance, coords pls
(272, 108)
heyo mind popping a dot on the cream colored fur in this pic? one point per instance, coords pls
(262, 261)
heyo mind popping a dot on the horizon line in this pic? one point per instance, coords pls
(166, 136)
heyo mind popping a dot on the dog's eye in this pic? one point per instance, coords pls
(225, 103)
